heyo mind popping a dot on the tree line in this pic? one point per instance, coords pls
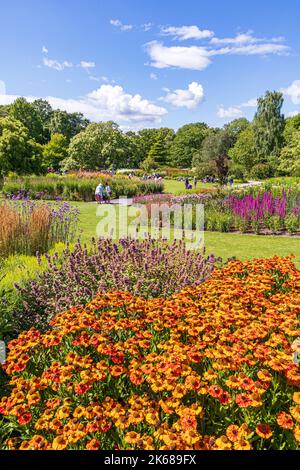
(34, 137)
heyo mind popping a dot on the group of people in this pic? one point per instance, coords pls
(103, 193)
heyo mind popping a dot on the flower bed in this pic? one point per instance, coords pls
(210, 368)
(76, 187)
(27, 227)
(150, 268)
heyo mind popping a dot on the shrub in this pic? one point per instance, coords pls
(208, 369)
(150, 268)
(292, 223)
(262, 171)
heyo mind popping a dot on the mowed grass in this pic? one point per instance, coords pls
(224, 245)
(178, 187)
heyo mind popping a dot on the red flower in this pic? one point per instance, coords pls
(25, 418)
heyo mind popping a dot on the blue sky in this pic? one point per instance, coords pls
(150, 63)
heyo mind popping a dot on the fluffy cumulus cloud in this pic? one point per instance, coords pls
(293, 113)
(45, 50)
(193, 58)
(119, 24)
(106, 103)
(229, 113)
(186, 32)
(189, 98)
(293, 92)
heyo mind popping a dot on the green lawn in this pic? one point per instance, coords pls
(178, 187)
(225, 245)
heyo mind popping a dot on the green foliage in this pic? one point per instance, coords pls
(187, 143)
(214, 155)
(290, 154)
(243, 153)
(67, 124)
(235, 128)
(268, 126)
(17, 151)
(262, 171)
(158, 152)
(98, 147)
(26, 113)
(55, 151)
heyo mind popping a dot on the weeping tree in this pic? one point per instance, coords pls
(268, 127)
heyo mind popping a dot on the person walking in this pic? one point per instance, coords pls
(99, 193)
(108, 193)
(195, 182)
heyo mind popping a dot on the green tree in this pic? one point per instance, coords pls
(25, 112)
(290, 155)
(187, 143)
(268, 127)
(213, 156)
(18, 152)
(55, 151)
(98, 147)
(243, 153)
(235, 128)
(67, 124)
(45, 112)
(158, 152)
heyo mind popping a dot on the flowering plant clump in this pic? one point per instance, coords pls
(210, 368)
(150, 268)
(28, 226)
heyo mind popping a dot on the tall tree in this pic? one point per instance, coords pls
(158, 152)
(67, 124)
(213, 156)
(25, 112)
(98, 147)
(268, 127)
(186, 144)
(235, 127)
(45, 112)
(290, 155)
(18, 152)
(55, 151)
(243, 153)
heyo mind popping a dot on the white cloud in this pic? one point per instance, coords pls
(231, 112)
(249, 104)
(293, 91)
(147, 26)
(87, 65)
(186, 32)
(293, 113)
(189, 98)
(236, 111)
(56, 65)
(45, 50)
(119, 24)
(252, 49)
(153, 76)
(2, 87)
(106, 103)
(245, 38)
(194, 58)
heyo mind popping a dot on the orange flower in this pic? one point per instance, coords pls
(264, 431)
(233, 433)
(93, 444)
(59, 443)
(285, 420)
